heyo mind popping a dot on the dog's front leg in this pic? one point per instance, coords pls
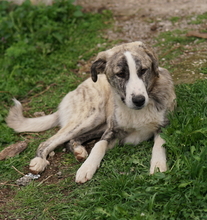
(92, 163)
(158, 160)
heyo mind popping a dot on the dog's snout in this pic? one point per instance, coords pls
(138, 100)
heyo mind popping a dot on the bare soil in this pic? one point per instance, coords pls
(130, 16)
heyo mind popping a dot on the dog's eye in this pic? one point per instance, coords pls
(143, 71)
(121, 75)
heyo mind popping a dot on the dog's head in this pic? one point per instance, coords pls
(131, 69)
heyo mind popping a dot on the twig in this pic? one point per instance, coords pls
(196, 34)
(44, 180)
(7, 184)
(169, 51)
(6, 92)
(18, 171)
(47, 88)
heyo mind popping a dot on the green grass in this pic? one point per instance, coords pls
(172, 43)
(174, 19)
(199, 19)
(46, 52)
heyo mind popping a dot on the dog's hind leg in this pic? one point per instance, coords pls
(78, 149)
(75, 145)
(39, 163)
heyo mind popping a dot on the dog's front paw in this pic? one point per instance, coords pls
(85, 173)
(158, 165)
(38, 165)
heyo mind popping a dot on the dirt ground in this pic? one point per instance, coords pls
(130, 16)
(150, 7)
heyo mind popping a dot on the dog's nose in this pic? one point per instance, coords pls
(138, 100)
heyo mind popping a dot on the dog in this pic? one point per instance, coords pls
(127, 99)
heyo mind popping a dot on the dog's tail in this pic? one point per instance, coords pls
(19, 123)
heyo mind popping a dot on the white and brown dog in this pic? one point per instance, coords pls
(128, 102)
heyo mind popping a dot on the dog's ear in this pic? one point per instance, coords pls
(154, 59)
(98, 65)
(150, 52)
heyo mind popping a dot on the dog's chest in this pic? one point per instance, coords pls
(137, 119)
(140, 125)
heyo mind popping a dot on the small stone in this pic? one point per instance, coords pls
(26, 179)
(52, 154)
(59, 175)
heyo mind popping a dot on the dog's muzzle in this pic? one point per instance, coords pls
(138, 101)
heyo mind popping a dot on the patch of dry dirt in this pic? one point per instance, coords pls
(131, 16)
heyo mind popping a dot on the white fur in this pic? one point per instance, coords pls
(135, 86)
(73, 102)
(140, 43)
(19, 123)
(80, 152)
(158, 159)
(38, 164)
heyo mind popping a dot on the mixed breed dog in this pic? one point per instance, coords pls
(126, 100)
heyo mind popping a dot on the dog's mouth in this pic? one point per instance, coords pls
(138, 107)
